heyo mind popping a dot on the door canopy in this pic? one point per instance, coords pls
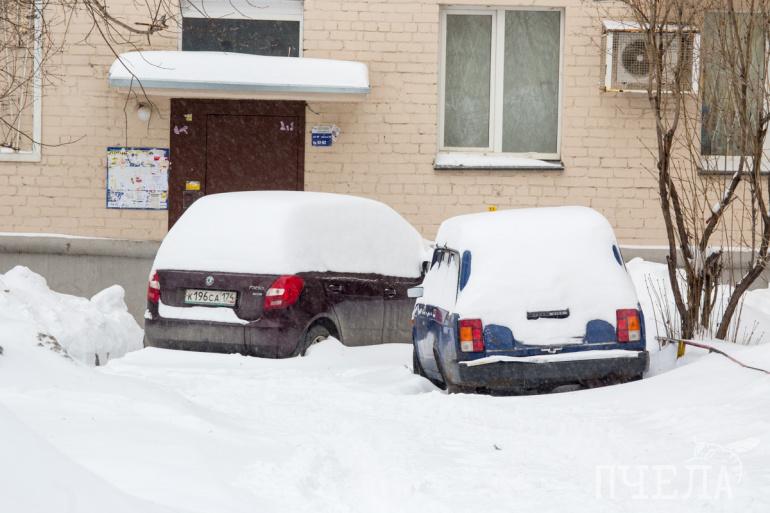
(239, 76)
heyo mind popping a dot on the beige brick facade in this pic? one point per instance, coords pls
(388, 142)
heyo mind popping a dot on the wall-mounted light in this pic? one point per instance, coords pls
(143, 112)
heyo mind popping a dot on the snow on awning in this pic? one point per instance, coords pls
(239, 76)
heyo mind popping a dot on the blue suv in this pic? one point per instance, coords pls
(527, 300)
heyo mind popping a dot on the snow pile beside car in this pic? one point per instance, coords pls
(751, 324)
(92, 331)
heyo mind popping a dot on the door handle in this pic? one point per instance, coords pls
(334, 288)
(390, 293)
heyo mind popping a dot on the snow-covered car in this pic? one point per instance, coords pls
(527, 300)
(269, 273)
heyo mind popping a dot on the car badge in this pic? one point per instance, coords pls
(209, 281)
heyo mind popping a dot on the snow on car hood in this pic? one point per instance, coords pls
(284, 232)
(534, 260)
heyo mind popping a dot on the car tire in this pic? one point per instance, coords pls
(315, 334)
(455, 389)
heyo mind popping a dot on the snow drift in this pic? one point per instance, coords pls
(43, 480)
(89, 330)
(353, 430)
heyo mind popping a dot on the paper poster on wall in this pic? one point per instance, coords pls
(137, 178)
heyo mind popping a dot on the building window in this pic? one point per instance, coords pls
(245, 26)
(722, 145)
(21, 84)
(501, 81)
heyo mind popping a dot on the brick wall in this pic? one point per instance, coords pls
(388, 142)
(65, 192)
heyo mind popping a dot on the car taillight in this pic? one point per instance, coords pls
(284, 292)
(471, 336)
(153, 289)
(629, 326)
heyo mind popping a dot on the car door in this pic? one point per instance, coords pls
(433, 311)
(398, 308)
(357, 300)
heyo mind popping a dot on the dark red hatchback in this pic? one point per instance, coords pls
(270, 273)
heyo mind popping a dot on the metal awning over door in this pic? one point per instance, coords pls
(223, 75)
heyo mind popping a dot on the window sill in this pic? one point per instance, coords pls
(728, 165)
(20, 156)
(492, 162)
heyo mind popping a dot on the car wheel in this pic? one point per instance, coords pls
(317, 333)
(455, 389)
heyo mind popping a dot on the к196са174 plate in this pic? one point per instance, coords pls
(210, 297)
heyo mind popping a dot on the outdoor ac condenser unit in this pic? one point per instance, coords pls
(627, 66)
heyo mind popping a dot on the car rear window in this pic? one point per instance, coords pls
(440, 284)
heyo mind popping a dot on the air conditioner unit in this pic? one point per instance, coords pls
(627, 66)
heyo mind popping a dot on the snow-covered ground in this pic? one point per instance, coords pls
(353, 430)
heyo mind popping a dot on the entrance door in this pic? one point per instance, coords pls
(234, 145)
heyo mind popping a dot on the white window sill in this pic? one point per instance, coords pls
(486, 161)
(7, 155)
(729, 165)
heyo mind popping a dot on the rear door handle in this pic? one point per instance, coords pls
(390, 293)
(334, 288)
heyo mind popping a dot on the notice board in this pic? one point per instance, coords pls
(137, 178)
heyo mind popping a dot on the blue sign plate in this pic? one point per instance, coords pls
(322, 139)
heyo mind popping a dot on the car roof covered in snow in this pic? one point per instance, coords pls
(547, 224)
(284, 232)
(540, 259)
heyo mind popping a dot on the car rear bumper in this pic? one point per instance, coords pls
(216, 337)
(520, 376)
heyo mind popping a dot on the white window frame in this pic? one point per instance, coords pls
(495, 147)
(729, 164)
(34, 154)
(247, 10)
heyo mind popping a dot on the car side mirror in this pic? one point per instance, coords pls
(414, 292)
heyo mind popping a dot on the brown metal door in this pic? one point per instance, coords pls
(234, 145)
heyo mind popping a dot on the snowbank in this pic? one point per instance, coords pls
(353, 430)
(88, 330)
(751, 324)
(42, 479)
(268, 232)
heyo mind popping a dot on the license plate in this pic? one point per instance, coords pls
(210, 297)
